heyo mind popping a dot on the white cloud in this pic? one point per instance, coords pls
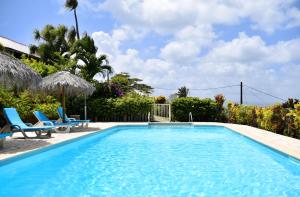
(167, 16)
(245, 49)
(244, 58)
(195, 56)
(187, 44)
(106, 44)
(126, 33)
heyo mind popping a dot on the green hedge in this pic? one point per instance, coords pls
(202, 109)
(132, 107)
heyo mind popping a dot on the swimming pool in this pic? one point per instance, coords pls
(154, 161)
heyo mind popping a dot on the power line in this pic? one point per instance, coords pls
(256, 96)
(266, 93)
(230, 86)
(202, 89)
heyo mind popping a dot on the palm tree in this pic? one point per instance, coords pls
(105, 69)
(183, 92)
(85, 50)
(72, 5)
(53, 44)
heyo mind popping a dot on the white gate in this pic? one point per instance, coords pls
(162, 112)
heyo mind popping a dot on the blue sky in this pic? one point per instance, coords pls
(171, 43)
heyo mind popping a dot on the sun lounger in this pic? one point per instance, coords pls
(71, 120)
(17, 125)
(44, 120)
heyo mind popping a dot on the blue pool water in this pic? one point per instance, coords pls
(156, 161)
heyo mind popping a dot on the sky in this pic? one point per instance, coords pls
(199, 44)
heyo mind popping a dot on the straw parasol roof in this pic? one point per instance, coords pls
(72, 84)
(67, 84)
(14, 73)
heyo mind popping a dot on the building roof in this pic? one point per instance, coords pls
(15, 46)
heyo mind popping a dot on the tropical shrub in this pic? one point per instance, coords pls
(279, 118)
(293, 122)
(220, 99)
(25, 102)
(272, 118)
(201, 109)
(160, 100)
(241, 114)
(40, 67)
(48, 105)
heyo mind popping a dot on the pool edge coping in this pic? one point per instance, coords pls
(261, 140)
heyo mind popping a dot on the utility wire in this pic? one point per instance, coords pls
(202, 89)
(265, 93)
(256, 96)
(217, 87)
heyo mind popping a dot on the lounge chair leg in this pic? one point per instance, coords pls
(62, 130)
(24, 134)
(2, 143)
(49, 134)
(38, 133)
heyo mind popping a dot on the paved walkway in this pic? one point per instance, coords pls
(16, 145)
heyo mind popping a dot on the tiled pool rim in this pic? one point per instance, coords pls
(59, 144)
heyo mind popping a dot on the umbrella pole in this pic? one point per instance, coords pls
(63, 103)
(85, 108)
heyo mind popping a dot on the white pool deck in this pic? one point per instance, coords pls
(15, 145)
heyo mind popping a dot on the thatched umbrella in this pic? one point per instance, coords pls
(15, 74)
(68, 84)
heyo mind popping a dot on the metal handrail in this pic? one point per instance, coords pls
(149, 117)
(190, 117)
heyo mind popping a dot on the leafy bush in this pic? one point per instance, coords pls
(279, 118)
(202, 109)
(48, 105)
(241, 114)
(272, 118)
(127, 108)
(220, 99)
(40, 67)
(160, 100)
(293, 122)
(25, 102)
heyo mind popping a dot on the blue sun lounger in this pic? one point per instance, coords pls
(44, 120)
(17, 125)
(71, 120)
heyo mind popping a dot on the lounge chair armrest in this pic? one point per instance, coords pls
(29, 124)
(6, 129)
(48, 123)
(17, 127)
(72, 119)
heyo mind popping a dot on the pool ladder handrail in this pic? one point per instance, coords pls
(190, 117)
(149, 117)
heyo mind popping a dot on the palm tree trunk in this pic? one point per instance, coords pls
(76, 21)
(107, 77)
